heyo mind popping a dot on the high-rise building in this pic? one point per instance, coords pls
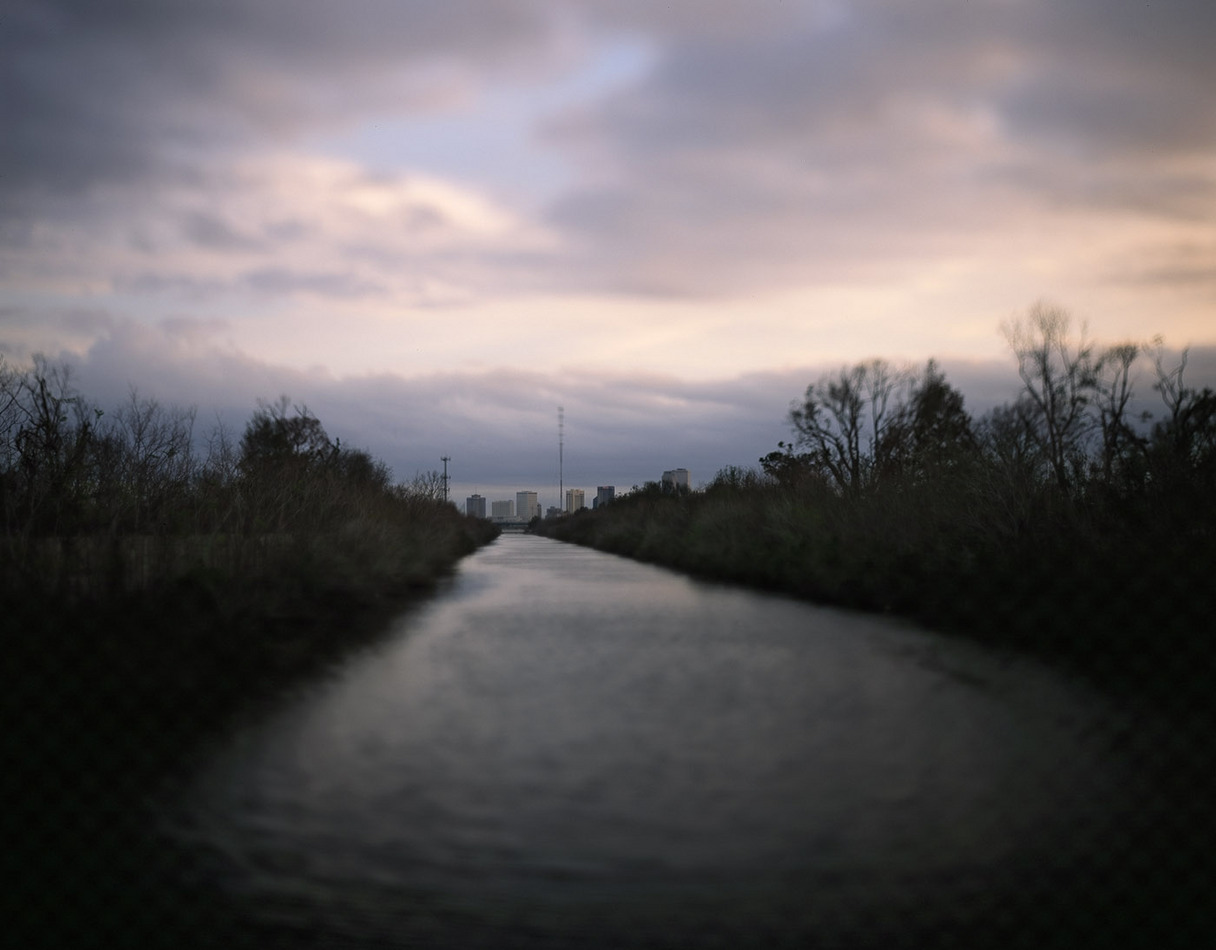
(527, 506)
(603, 495)
(502, 510)
(574, 499)
(676, 479)
(475, 506)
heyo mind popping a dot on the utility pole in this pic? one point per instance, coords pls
(561, 485)
(445, 460)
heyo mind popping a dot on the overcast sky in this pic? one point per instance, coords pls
(436, 222)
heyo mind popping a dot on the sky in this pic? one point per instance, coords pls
(434, 223)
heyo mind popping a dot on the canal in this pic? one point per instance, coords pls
(563, 748)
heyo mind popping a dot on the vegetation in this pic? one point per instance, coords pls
(111, 515)
(94, 506)
(1055, 524)
(154, 585)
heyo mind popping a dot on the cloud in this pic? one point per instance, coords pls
(1119, 78)
(636, 185)
(94, 93)
(25, 331)
(282, 226)
(499, 426)
(864, 144)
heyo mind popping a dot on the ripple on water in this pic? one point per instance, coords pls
(568, 746)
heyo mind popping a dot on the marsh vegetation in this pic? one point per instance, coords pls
(133, 551)
(1057, 523)
(155, 585)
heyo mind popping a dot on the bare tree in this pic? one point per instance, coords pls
(829, 423)
(843, 420)
(157, 457)
(879, 383)
(428, 485)
(1187, 437)
(1058, 374)
(221, 465)
(1114, 387)
(50, 429)
(11, 417)
(1169, 381)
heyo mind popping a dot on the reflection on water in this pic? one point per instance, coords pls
(567, 748)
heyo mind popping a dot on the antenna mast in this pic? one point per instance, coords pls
(561, 432)
(445, 460)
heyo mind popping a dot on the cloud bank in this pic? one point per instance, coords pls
(499, 426)
(592, 202)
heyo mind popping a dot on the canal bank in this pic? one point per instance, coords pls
(106, 705)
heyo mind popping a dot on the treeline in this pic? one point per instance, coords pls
(1057, 523)
(190, 576)
(157, 583)
(95, 504)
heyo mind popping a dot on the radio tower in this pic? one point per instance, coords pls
(445, 460)
(561, 485)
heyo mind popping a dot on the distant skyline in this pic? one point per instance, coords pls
(435, 223)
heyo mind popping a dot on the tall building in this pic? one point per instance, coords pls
(502, 510)
(574, 499)
(527, 506)
(676, 479)
(475, 506)
(603, 495)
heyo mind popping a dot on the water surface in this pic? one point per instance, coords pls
(566, 748)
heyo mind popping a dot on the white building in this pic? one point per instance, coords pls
(676, 478)
(502, 510)
(527, 506)
(574, 499)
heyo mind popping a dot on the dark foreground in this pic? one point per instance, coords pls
(106, 705)
(109, 710)
(96, 741)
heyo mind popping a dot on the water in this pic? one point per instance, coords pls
(564, 748)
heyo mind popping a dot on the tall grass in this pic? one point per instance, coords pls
(151, 581)
(95, 505)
